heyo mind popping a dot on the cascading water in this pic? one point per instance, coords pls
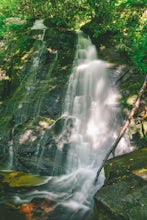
(91, 108)
(92, 120)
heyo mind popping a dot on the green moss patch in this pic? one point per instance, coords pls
(124, 166)
(21, 179)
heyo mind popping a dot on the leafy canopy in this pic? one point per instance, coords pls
(126, 18)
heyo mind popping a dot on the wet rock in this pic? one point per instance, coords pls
(34, 98)
(37, 208)
(123, 196)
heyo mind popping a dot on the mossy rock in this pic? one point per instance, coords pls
(123, 196)
(124, 165)
(125, 200)
(58, 126)
(21, 179)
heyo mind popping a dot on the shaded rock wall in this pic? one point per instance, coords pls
(32, 100)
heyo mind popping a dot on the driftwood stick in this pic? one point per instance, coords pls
(124, 127)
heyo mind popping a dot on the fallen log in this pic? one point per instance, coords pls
(124, 127)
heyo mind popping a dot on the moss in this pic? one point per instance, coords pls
(124, 200)
(121, 167)
(59, 126)
(20, 179)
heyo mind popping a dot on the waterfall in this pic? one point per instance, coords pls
(91, 108)
(10, 156)
(92, 121)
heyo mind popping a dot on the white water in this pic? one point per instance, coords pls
(10, 156)
(92, 110)
(93, 121)
(38, 25)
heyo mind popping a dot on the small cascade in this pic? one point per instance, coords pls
(10, 156)
(29, 82)
(32, 92)
(38, 25)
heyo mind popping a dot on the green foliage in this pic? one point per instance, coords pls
(8, 7)
(1, 27)
(68, 14)
(131, 24)
(130, 3)
(127, 18)
(101, 15)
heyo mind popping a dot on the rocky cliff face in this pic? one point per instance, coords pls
(38, 63)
